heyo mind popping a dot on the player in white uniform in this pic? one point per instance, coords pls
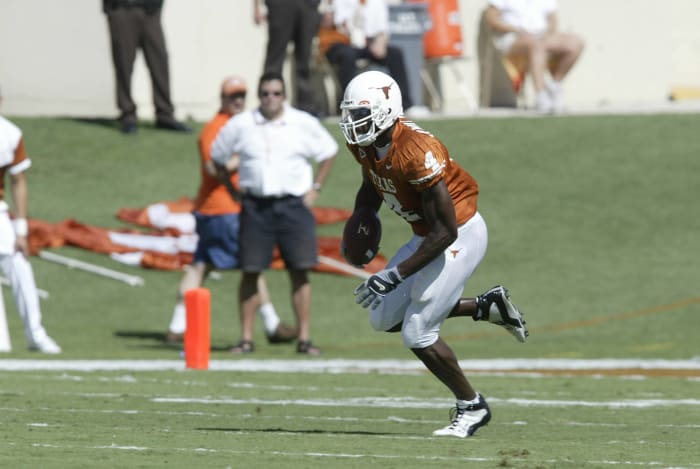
(13, 243)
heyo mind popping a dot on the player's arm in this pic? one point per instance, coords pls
(19, 190)
(367, 195)
(439, 213)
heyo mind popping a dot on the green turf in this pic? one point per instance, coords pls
(593, 225)
(216, 419)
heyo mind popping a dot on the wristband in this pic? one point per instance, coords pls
(317, 186)
(21, 226)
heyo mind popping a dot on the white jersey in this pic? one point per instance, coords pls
(530, 15)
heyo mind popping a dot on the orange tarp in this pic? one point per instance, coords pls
(70, 232)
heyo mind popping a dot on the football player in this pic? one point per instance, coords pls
(411, 171)
(13, 239)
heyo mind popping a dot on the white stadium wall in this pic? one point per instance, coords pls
(55, 55)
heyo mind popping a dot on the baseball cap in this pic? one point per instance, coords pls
(233, 84)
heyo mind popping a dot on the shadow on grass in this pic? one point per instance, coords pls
(99, 121)
(113, 123)
(155, 335)
(159, 336)
(109, 123)
(294, 432)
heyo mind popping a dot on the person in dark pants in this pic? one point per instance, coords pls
(297, 21)
(371, 19)
(135, 24)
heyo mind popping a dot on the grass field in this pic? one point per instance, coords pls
(593, 225)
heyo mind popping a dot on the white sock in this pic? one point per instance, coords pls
(269, 316)
(462, 404)
(556, 94)
(553, 87)
(543, 102)
(178, 323)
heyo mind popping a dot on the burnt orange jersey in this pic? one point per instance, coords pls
(417, 160)
(213, 197)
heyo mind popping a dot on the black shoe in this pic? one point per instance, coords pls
(174, 338)
(173, 125)
(306, 347)
(496, 307)
(244, 346)
(128, 127)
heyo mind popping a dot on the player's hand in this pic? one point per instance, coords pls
(22, 245)
(373, 290)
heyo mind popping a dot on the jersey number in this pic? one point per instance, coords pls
(394, 204)
(413, 126)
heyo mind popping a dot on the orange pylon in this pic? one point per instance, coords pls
(198, 331)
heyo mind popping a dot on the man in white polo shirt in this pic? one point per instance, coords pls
(13, 241)
(274, 148)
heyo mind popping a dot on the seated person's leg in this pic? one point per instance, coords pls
(397, 69)
(533, 48)
(566, 48)
(343, 56)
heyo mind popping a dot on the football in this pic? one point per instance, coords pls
(361, 236)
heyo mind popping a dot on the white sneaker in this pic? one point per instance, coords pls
(495, 306)
(466, 420)
(46, 345)
(556, 96)
(543, 102)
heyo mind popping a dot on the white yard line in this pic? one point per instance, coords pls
(329, 455)
(413, 403)
(348, 366)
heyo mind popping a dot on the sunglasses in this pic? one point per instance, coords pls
(239, 94)
(265, 94)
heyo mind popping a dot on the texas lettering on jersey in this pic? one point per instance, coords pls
(382, 183)
(416, 161)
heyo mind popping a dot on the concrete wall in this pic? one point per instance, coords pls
(55, 56)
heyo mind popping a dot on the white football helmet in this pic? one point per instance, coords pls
(371, 104)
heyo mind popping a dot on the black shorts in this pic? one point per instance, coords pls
(286, 223)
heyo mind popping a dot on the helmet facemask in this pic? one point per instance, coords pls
(371, 104)
(358, 125)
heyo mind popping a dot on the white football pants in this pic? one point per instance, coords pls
(18, 272)
(21, 277)
(424, 300)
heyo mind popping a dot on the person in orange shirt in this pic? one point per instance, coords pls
(216, 213)
(411, 171)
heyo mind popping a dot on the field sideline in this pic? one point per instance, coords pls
(615, 367)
